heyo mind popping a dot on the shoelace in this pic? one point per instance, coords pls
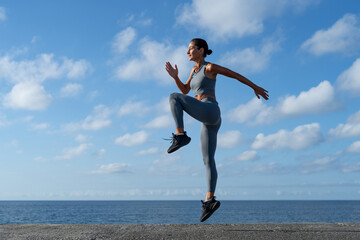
(171, 139)
(205, 203)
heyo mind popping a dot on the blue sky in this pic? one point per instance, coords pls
(83, 99)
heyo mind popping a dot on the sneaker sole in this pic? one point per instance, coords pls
(178, 147)
(217, 205)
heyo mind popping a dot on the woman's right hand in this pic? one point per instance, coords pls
(259, 91)
(173, 72)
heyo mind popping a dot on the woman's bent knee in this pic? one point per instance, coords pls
(174, 96)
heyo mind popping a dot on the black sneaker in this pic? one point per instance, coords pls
(178, 141)
(208, 208)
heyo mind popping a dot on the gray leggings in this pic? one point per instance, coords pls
(206, 111)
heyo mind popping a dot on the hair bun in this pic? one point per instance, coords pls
(209, 51)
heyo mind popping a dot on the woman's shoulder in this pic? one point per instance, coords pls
(215, 68)
(210, 66)
(210, 70)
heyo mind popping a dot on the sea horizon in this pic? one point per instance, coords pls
(114, 200)
(176, 211)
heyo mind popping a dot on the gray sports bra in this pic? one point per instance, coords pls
(200, 84)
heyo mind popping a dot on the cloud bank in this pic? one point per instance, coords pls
(302, 137)
(316, 100)
(342, 37)
(233, 18)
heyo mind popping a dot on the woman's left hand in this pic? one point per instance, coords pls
(259, 91)
(173, 72)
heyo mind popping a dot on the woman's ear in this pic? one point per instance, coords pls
(202, 51)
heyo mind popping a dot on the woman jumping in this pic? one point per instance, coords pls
(203, 108)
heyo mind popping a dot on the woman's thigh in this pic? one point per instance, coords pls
(205, 112)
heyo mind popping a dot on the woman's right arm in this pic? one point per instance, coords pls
(173, 72)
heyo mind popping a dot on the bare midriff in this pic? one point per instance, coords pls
(201, 96)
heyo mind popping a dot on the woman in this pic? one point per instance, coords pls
(204, 108)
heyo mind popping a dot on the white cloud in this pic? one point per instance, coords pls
(152, 57)
(145, 22)
(342, 37)
(2, 14)
(100, 152)
(43, 67)
(75, 69)
(246, 112)
(27, 75)
(34, 39)
(250, 60)
(139, 20)
(27, 95)
(81, 138)
(149, 151)
(98, 120)
(71, 153)
(271, 167)
(168, 165)
(229, 139)
(93, 94)
(354, 147)
(302, 137)
(164, 121)
(40, 159)
(300, 5)
(167, 160)
(124, 39)
(350, 129)
(247, 156)
(40, 126)
(349, 80)
(133, 108)
(232, 18)
(139, 108)
(163, 106)
(71, 89)
(129, 140)
(316, 100)
(351, 168)
(113, 168)
(319, 165)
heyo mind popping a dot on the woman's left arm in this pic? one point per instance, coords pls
(215, 69)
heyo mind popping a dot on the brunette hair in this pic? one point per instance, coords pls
(201, 43)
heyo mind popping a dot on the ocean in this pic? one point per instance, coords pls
(175, 212)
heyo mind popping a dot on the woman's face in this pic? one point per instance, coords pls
(194, 52)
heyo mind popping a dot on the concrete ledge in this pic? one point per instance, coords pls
(183, 231)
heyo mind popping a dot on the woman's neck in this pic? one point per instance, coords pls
(199, 63)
